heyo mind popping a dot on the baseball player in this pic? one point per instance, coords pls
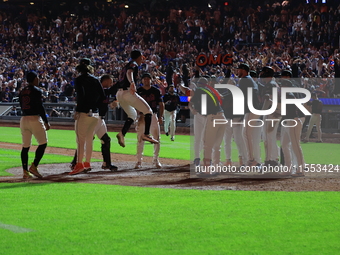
(101, 129)
(248, 132)
(290, 135)
(33, 122)
(315, 118)
(130, 101)
(171, 101)
(90, 95)
(270, 127)
(212, 135)
(153, 97)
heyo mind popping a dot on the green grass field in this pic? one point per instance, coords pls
(76, 218)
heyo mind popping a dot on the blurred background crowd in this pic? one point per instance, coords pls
(302, 37)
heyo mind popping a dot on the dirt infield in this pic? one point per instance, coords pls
(174, 174)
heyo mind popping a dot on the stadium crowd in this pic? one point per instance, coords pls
(301, 38)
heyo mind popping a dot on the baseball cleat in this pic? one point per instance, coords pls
(157, 163)
(79, 167)
(121, 139)
(167, 133)
(149, 138)
(72, 165)
(112, 168)
(34, 170)
(138, 165)
(27, 175)
(320, 141)
(172, 138)
(87, 167)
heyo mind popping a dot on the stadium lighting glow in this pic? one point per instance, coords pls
(209, 5)
(126, 6)
(109, 1)
(31, 3)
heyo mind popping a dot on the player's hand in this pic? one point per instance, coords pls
(114, 104)
(47, 126)
(132, 88)
(160, 121)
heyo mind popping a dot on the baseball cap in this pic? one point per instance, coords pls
(267, 71)
(286, 73)
(85, 61)
(253, 74)
(286, 83)
(244, 66)
(31, 76)
(146, 75)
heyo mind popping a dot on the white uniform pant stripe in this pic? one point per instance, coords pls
(170, 118)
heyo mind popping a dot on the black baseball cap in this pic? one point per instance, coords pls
(286, 73)
(267, 71)
(253, 73)
(286, 83)
(31, 76)
(85, 61)
(244, 66)
(146, 75)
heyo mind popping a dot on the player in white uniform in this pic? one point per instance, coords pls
(290, 135)
(129, 100)
(33, 122)
(315, 118)
(153, 97)
(171, 103)
(249, 132)
(270, 127)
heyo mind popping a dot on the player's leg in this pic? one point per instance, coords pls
(318, 126)
(199, 126)
(227, 138)
(39, 132)
(124, 101)
(285, 145)
(26, 136)
(140, 143)
(311, 123)
(141, 105)
(167, 115)
(91, 123)
(238, 138)
(219, 131)
(155, 132)
(295, 133)
(173, 125)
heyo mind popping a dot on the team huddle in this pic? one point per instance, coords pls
(146, 108)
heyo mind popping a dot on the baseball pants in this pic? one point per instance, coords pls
(130, 103)
(32, 125)
(84, 127)
(249, 132)
(269, 137)
(239, 140)
(170, 119)
(212, 139)
(227, 138)
(155, 132)
(315, 119)
(290, 143)
(199, 124)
